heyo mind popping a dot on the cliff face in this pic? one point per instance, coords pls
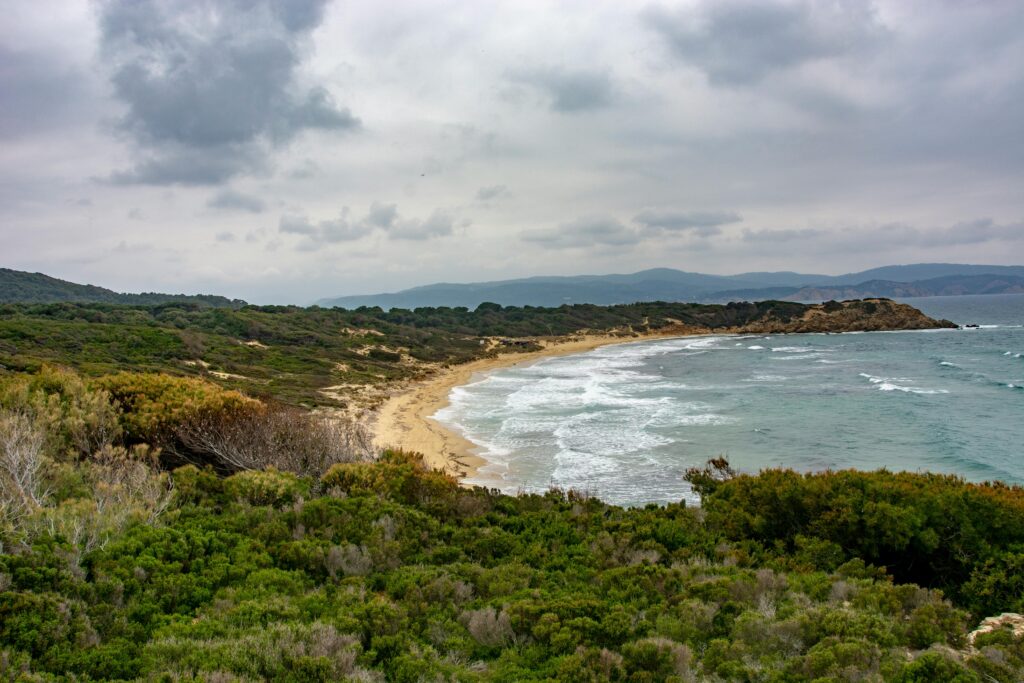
(868, 315)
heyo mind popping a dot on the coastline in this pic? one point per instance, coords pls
(404, 420)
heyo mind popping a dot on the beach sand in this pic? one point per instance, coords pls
(404, 421)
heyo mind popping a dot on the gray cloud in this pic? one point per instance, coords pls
(569, 90)
(740, 42)
(380, 216)
(210, 87)
(323, 233)
(37, 92)
(490, 192)
(703, 223)
(438, 224)
(232, 199)
(879, 238)
(648, 224)
(225, 236)
(587, 231)
(297, 225)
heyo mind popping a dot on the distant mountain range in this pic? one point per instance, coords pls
(18, 286)
(659, 284)
(667, 284)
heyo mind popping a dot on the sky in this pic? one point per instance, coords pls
(282, 152)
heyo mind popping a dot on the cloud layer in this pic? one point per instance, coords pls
(187, 145)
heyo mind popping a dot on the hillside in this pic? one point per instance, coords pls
(317, 356)
(36, 288)
(666, 284)
(950, 285)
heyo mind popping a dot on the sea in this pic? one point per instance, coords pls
(624, 422)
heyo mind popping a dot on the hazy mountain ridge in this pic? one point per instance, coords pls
(666, 284)
(18, 286)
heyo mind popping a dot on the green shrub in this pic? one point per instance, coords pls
(267, 487)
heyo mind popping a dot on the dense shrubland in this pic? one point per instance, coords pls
(120, 563)
(336, 567)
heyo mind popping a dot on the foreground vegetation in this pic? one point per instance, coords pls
(145, 538)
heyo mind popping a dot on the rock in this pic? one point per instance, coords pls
(1011, 619)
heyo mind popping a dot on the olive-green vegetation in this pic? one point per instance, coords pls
(114, 569)
(292, 353)
(18, 286)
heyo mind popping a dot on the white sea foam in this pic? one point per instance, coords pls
(794, 349)
(756, 348)
(799, 356)
(948, 364)
(889, 384)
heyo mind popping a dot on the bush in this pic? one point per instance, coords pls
(397, 475)
(76, 418)
(154, 405)
(255, 436)
(930, 529)
(266, 487)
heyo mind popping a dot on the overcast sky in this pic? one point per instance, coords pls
(286, 151)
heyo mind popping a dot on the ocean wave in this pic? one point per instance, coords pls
(756, 348)
(948, 364)
(704, 343)
(794, 349)
(575, 467)
(889, 384)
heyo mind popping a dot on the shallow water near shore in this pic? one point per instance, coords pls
(624, 422)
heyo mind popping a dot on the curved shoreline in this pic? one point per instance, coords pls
(404, 420)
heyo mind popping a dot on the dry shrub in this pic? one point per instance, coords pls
(125, 487)
(488, 627)
(21, 462)
(350, 560)
(256, 436)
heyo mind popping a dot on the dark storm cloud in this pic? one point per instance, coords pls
(569, 90)
(232, 199)
(740, 42)
(703, 223)
(210, 87)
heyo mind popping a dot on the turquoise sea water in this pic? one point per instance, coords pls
(624, 422)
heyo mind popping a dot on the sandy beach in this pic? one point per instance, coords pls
(404, 421)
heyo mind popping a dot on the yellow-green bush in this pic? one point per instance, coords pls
(266, 487)
(78, 418)
(398, 475)
(154, 404)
